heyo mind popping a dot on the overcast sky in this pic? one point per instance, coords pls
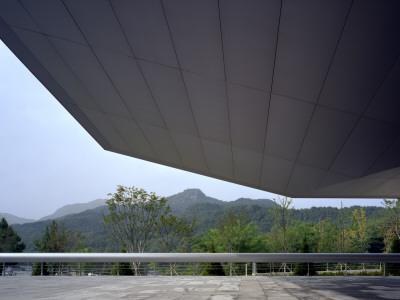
(48, 160)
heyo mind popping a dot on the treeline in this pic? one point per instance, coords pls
(353, 229)
(89, 223)
(137, 221)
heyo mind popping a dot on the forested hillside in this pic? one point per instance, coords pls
(190, 204)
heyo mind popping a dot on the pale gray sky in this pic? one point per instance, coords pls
(48, 160)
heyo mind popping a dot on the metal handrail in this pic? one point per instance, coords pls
(200, 257)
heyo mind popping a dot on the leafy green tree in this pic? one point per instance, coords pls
(300, 230)
(37, 269)
(343, 217)
(9, 241)
(394, 269)
(234, 233)
(328, 236)
(305, 269)
(357, 232)
(56, 239)
(391, 225)
(281, 215)
(133, 218)
(174, 235)
(213, 268)
(125, 268)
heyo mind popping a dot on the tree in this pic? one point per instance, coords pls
(214, 268)
(123, 268)
(281, 216)
(234, 233)
(328, 236)
(10, 242)
(305, 269)
(358, 231)
(394, 269)
(282, 224)
(56, 239)
(392, 220)
(343, 217)
(174, 235)
(133, 218)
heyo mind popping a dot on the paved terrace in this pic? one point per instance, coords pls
(213, 288)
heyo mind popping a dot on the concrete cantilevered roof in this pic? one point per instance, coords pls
(297, 97)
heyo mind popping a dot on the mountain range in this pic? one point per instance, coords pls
(178, 203)
(191, 203)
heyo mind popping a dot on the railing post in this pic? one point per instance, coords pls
(245, 269)
(117, 268)
(308, 269)
(41, 269)
(254, 269)
(4, 269)
(384, 269)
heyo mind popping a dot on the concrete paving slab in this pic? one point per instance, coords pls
(207, 288)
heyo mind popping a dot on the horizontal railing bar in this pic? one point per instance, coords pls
(200, 257)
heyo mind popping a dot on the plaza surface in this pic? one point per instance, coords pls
(194, 287)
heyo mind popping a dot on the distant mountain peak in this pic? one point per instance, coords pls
(74, 209)
(194, 191)
(188, 197)
(13, 219)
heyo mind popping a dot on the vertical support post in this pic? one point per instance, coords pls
(384, 269)
(345, 269)
(270, 269)
(245, 269)
(254, 269)
(308, 269)
(230, 269)
(327, 267)
(4, 269)
(80, 269)
(41, 269)
(117, 268)
(154, 269)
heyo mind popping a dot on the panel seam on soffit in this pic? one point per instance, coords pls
(316, 104)
(270, 94)
(202, 75)
(112, 83)
(226, 88)
(361, 116)
(366, 108)
(184, 84)
(94, 132)
(147, 85)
